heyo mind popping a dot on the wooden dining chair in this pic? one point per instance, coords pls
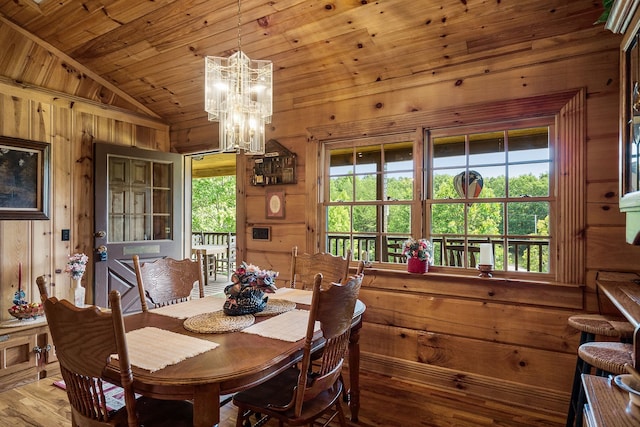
(41, 281)
(84, 340)
(305, 266)
(305, 392)
(168, 281)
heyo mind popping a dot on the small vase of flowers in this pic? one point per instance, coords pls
(76, 266)
(246, 295)
(418, 253)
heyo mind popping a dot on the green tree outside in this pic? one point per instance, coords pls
(482, 218)
(213, 204)
(214, 209)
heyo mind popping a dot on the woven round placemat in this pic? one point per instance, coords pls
(217, 323)
(276, 306)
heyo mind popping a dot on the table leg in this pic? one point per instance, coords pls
(205, 267)
(206, 406)
(205, 264)
(354, 371)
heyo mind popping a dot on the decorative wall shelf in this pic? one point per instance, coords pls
(277, 166)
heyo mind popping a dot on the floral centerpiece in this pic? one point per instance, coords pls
(246, 295)
(76, 266)
(418, 253)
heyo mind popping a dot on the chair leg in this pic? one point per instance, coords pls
(241, 417)
(341, 417)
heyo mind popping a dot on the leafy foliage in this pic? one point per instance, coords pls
(483, 218)
(214, 204)
(607, 4)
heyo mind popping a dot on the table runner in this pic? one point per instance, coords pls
(191, 308)
(296, 295)
(290, 326)
(153, 349)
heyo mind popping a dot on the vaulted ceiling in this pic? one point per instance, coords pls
(148, 56)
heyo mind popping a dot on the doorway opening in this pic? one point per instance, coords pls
(213, 212)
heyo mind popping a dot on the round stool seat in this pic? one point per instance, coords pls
(602, 324)
(607, 356)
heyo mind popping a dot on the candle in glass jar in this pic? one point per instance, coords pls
(486, 254)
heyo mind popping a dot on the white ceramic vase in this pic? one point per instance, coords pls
(78, 292)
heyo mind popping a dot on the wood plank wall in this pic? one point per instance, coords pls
(508, 341)
(71, 126)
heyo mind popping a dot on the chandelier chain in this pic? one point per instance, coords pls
(239, 25)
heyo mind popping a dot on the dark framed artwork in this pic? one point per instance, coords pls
(24, 179)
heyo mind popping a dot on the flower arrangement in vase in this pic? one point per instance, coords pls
(76, 266)
(246, 294)
(418, 253)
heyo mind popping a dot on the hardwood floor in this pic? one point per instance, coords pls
(387, 402)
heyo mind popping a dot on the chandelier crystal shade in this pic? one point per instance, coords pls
(239, 95)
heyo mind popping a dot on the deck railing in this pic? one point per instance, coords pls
(210, 238)
(521, 254)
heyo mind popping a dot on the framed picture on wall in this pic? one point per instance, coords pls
(275, 204)
(24, 179)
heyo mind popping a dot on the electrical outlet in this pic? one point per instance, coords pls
(66, 234)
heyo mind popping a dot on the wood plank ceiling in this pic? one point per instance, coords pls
(148, 55)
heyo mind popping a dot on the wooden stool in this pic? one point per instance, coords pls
(606, 357)
(591, 325)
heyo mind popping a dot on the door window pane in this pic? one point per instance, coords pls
(141, 203)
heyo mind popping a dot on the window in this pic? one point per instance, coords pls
(492, 185)
(483, 185)
(370, 198)
(530, 154)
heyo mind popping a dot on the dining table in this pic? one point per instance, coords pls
(209, 251)
(226, 363)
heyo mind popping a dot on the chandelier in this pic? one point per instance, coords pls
(239, 95)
